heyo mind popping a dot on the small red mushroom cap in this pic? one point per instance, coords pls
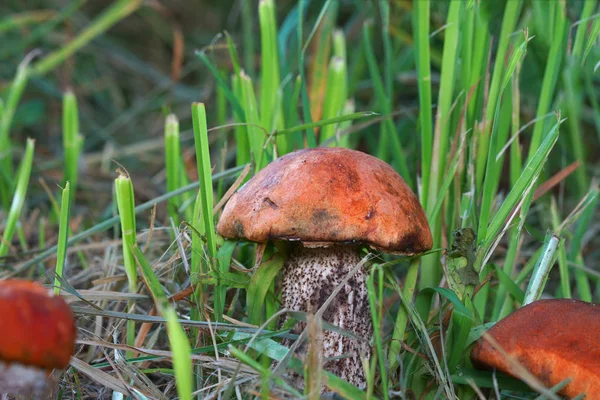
(38, 328)
(325, 196)
(554, 339)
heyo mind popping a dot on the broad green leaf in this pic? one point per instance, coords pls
(459, 307)
(512, 288)
(259, 285)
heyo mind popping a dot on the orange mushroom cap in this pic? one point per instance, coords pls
(553, 339)
(38, 328)
(324, 196)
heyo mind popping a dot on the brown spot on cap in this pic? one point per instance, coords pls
(329, 195)
(553, 339)
(370, 213)
(271, 203)
(38, 328)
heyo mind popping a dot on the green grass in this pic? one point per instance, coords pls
(178, 341)
(173, 163)
(18, 198)
(63, 232)
(72, 141)
(126, 203)
(480, 106)
(8, 108)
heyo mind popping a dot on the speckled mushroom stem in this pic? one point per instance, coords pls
(310, 275)
(22, 379)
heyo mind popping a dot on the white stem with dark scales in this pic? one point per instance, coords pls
(21, 379)
(310, 275)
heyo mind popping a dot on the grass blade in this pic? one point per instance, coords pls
(18, 198)
(204, 175)
(565, 279)
(422, 60)
(243, 154)
(126, 205)
(542, 269)
(172, 163)
(270, 79)
(529, 175)
(42, 30)
(259, 286)
(177, 338)
(110, 222)
(233, 99)
(256, 134)
(335, 96)
(72, 141)
(16, 21)
(592, 35)
(490, 181)
(389, 136)
(202, 222)
(6, 117)
(511, 14)
(376, 314)
(550, 74)
(116, 12)
(335, 120)
(438, 153)
(63, 233)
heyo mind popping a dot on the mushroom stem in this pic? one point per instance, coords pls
(310, 275)
(22, 379)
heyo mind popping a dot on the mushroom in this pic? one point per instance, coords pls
(38, 335)
(328, 202)
(554, 339)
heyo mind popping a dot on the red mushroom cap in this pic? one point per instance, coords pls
(328, 195)
(553, 339)
(38, 328)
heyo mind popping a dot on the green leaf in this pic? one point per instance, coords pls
(246, 359)
(224, 278)
(486, 379)
(227, 280)
(461, 326)
(343, 388)
(459, 307)
(478, 331)
(259, 285)
(512, 288)
(269, 347)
